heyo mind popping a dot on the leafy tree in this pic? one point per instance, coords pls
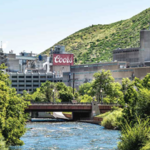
(61, 86)
(143, 104)
(4, 76)
(65, 96)
(115, 95)
(47, 89)
(86, 99)
(125, 83)
(86, 88)
(2, 143)
(26, 95)
(12, 117)
(106, 88)
(146, 81)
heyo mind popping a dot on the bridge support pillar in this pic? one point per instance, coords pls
(34, 114)
(95, 109)
(87, 115)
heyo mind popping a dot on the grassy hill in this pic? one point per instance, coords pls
(96, 43)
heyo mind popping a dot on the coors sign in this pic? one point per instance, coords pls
(63, 59)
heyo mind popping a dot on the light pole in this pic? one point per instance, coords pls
(94, 98)
(101, 91)
(53, 77)
(53, 95)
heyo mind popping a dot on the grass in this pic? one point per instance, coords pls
(68, 113)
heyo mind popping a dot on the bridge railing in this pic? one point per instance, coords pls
(68, 103)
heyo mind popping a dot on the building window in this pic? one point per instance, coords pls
(14, 85)
(21, 89)
(42, 76)
(49, 76)
(28, 76)
(21, 80)
(21, 85)
(14, 80)
(35, 86)
(28, 85)
(21, 76)
(28, 81)
(35, 81)
(35, 76)
(14, 76)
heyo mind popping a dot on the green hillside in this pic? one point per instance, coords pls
(96, 43)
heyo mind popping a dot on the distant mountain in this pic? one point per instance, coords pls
(96, 43)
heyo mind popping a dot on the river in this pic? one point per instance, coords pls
(68, 136)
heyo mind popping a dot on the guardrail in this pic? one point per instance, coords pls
(68, 103)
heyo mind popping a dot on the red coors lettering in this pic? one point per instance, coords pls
(58, 59)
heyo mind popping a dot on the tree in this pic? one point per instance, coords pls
(48, 88)
(12, 117)
(143, 103)
(105, 87)
(65, 96)
(61, 86)
(2, 143)
(115, 95)
(4, 76)
(146, 81)
(87, 88)
(125, 83)
(86, 99)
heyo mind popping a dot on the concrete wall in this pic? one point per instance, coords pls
(130, 55)
(61, 69)
(145, 45)
(13, 65)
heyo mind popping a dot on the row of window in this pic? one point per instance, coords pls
(33, 76)
(109, 64)
(34, 81)
(25, 86)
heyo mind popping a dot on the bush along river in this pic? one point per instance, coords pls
(68, 136)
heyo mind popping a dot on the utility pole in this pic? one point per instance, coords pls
(73, 81)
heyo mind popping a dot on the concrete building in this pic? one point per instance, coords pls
(33, 71)
(136, 57)
(2, 56)
(30, 81)
(27, 72)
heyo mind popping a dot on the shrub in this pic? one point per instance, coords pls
(2, 143)
(136, 137)
(112, 119)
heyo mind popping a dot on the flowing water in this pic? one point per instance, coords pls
(68, 136)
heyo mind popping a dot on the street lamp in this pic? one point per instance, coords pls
(94, 98)
(53, 77)
(101, 91)
(53, 95)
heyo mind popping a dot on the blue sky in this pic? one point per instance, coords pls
(35, 25)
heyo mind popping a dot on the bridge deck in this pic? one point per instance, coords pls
(66, 107)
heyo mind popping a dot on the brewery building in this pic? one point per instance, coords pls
(27, 71)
